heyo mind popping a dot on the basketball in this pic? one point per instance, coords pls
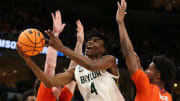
(31, 41)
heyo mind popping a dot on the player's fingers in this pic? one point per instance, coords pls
(51, 44)
(23, 52)
(46, 45)
(56, 14)
(77, 22)
(119, 6)
(19, 49)
(52, 16)
(59, 14)
(47, 40)
(17, 46)
(123, 2)
(49, 30)
(49, 33)
(63, 25)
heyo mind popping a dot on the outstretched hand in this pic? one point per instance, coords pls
(54, 41)
(121, 11)
(21, 52)
(57, 23)
(80, 31)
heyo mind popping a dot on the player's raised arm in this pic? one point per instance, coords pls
(79, 43)
(126, 45)
(51, 57)
(78, 49)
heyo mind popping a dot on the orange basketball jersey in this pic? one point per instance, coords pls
(146, 91)
(45, 94)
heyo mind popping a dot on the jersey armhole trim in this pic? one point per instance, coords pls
(116, 77)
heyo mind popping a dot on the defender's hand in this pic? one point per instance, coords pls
(121, 11)
(57, 23)
(54, 41)
(80, 31)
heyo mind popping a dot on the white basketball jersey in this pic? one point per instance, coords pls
(97, 85)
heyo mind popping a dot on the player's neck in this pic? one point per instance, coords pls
(95, 57)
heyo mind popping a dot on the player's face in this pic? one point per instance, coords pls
(94, 47)
(152, 73)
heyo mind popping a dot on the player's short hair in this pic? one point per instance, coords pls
(166, 68)
(96, 32)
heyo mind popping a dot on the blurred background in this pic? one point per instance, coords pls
(153, 26)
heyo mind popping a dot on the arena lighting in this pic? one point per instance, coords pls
(4, 74)
(14, 71)
(175, 85)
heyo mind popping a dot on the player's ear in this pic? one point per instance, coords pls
(158, 75)
(102, 50)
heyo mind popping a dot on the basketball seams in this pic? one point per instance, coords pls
(28, 38)
(28, 45)
(31, 40)
(32, 50)
(40, 41)
(35, 44)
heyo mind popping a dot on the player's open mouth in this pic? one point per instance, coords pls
(88, 47)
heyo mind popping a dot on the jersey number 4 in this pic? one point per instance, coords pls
(93, 89)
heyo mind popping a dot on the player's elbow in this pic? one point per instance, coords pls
(49, 84)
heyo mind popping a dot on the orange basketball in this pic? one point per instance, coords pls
(31, 41)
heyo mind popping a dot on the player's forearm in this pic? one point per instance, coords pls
(51, 59)
(39, 73)
(78, 47)
(126, 45)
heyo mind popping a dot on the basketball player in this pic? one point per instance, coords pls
(94, 74)
(149, 86)
(56, 93)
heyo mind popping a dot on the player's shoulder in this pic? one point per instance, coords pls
(168, 94)
(139, 75)
(109, 59)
